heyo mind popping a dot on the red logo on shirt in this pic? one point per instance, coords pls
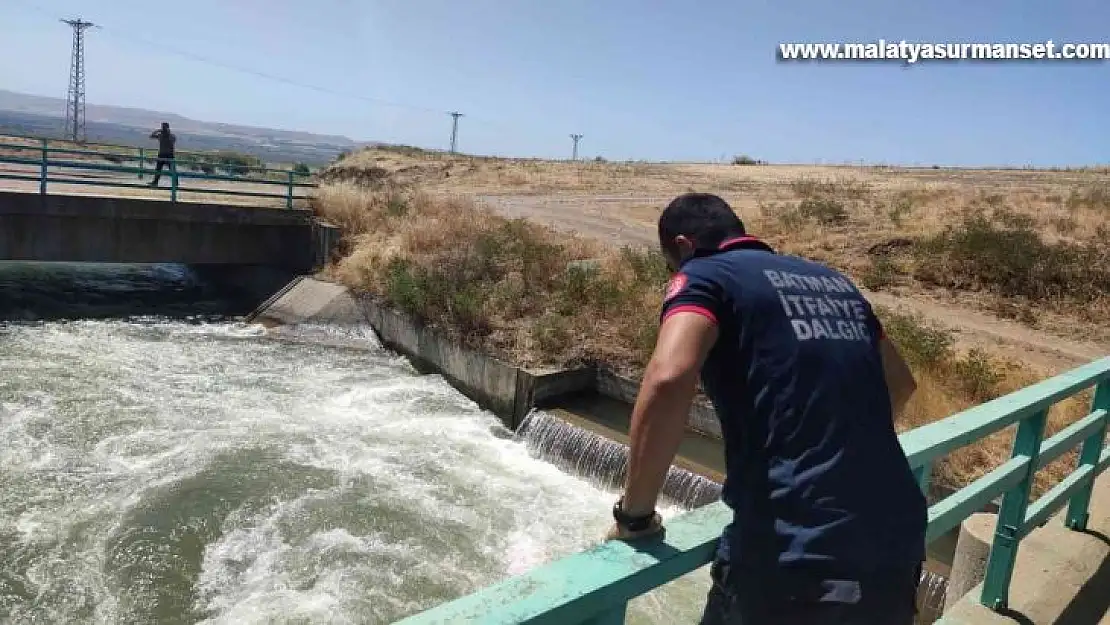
(675, 286)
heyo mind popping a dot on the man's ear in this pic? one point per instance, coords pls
(685, 245)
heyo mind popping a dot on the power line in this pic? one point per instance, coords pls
(574, 153)
(75, 94)
(162, 48)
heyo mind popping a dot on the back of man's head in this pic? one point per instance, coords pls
(165, 125)
(703, 218)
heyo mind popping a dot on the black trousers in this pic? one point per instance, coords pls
(163, 161)
(729, 603)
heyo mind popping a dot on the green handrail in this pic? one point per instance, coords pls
(594, 586)
(44, 162)
(196, 158)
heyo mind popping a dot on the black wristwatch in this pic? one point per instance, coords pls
(629, 522)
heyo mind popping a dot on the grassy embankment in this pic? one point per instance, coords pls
(513, 287)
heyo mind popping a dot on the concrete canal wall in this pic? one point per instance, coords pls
(503, 388)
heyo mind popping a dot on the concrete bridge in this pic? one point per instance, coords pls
(246, 228)
(69, 202)
(103, 229)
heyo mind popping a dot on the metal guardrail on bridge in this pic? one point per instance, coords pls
(43, 162)
(594, 586)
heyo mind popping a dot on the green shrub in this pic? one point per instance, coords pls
(900, 207)
(977, 375)
(880, 273)
(234, 163)
(647, 265)
(1006, 255)
(824, 210)
(922, 343)
(1093, 196)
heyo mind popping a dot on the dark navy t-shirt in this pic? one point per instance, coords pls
(818, 481)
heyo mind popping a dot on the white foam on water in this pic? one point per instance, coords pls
(324, 484)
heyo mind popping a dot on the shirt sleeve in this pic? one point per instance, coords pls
(691, 291)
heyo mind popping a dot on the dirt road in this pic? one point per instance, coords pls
(630, 220)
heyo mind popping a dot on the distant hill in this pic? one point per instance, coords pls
(43, 116)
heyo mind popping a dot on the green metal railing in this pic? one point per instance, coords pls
(45, 158)
(594, 586)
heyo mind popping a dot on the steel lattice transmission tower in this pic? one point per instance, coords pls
(454, 129)
(75, 98)
(574, 153)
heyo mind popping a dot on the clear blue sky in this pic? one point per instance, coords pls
(681, 79)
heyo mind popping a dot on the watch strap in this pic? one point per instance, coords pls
(629, 522)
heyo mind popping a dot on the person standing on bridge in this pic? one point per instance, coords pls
(828, 521)
(166, 141)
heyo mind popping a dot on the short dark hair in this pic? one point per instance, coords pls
(703, 217)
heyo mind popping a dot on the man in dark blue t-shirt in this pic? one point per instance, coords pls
(829, 523)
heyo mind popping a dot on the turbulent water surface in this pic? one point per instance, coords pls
(158, 471)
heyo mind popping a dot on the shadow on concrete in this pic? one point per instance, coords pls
(1092, 601)
(1089, 605)
(1017, 617)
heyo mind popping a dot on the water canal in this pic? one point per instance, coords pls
(163, 464)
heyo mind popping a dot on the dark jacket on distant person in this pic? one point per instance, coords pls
(166, 140)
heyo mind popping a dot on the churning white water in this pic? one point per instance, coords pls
(168, 472)
(165, 472)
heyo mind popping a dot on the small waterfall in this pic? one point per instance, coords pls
(930, 597)
(605, 461)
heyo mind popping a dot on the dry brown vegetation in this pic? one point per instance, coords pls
(415, 237)
(950, 381)
(1027, 245)
(535, 297)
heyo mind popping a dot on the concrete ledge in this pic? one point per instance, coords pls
(306, 300)
(703, 419)
(555, 383)
(486, 380)
(509, 391)
(1062, 577)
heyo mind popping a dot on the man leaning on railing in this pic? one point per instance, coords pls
(829, 522)
(166, 141)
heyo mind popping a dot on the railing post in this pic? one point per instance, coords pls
(614, 616)
(289, 192)
(43, 167)
(1079, 506)
(922, 474)
(173, 179)
(142, 160)
(1011, 516)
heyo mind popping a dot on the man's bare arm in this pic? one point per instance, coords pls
(663, 404)
(899, 378)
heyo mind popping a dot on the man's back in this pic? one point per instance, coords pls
(816, 476)
(166, 141)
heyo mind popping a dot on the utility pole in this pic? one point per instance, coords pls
(574, 153)
(454, 129)
(75, 97)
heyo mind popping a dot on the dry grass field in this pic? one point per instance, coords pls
(988, 280)
(1023, 264)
